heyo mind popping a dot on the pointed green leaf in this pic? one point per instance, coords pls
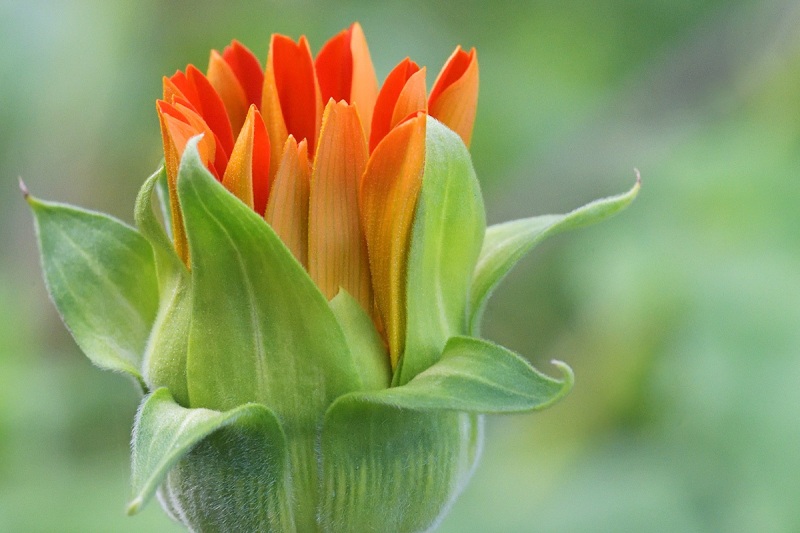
(449, 224)
(505, 244)
(386, 469)
(222, 471)
(101, 276)
(166, 352)
(476, 376)
(369, 352)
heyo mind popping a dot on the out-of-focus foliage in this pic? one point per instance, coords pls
(680, 316)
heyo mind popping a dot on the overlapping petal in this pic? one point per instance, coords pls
(388, 196)
(247, 173)
(222, 77)
(247, 69)
(287, 209)
(337, 251)
(402, 94)
(345, 72)
(454, 97)
(291, 103)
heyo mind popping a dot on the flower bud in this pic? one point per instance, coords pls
(304, 323)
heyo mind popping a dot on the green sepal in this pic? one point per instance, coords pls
(261, 330)
(165, 356)
(221, 471)
(477, 376)
(162, 193)
(167, 260)
(394, 459)
(449, 224)
(101, 276)
(388, 469)
(369, 352)
(505, 244)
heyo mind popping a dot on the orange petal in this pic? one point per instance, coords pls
(261, 157)
(210, 106)
(412, 98)
(290, 100)
(226, 84)
(334, 67)
(337, 252)
(345, 72)
(172, 156)
(175, 132)
(220, 163)
(207, 146)
(295, 82)
(388, 197)
(178, 85)
(454, 97)
(287, 208)
(247, 172)
(387, 100)
(238, 177)
(197, 94)
(247, 69)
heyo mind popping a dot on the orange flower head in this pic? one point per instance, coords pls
(331, 161)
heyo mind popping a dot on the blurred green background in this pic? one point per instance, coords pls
(680, 316)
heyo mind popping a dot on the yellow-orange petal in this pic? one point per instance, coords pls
(291, 103)
(207, 147)
(388, 198)
(238, 178)
(287, 207)
(454, 97)
(224, 81)
(387, 100)
(337, 251)
(171, 155)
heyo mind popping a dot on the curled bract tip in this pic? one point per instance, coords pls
(567, 380)
(638, 177)
(567, 375)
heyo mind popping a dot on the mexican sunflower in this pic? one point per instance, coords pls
(301, 306)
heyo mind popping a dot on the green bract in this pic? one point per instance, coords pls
(269, 408)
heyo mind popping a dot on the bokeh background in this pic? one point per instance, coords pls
(680, 316)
